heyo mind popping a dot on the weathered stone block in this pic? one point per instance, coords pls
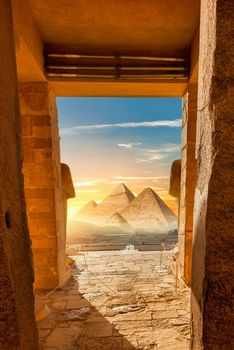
(44, 243)
(43, 216)
(39, 192)
(42, 179)
(188, 178)
(38, 175)
(45, 265)
(41, 120)
(41, 131)
(175, 178)
(26, 125)
(28, 155)
(34, 98)
(43, 156)
(37, 142)
(41, 205)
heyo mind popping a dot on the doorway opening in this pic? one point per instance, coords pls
(118, 148)
(122, 229)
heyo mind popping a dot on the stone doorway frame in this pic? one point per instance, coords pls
(212, 226)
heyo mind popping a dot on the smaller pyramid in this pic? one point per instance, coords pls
(117, 220)
(87, 210)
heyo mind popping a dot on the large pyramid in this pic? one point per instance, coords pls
(148, 212)
(87, 211)
(119, 198)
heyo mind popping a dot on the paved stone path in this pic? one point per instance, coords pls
(117, 301)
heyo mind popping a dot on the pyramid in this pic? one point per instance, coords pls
(87, 210)
(117, 220)
(148, 212)
(119, 198)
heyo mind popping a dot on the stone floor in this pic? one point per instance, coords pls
(120, 300)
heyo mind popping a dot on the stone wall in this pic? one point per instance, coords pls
(175, 178)
(67, 188)
(188, 182)
(43, 186)
(174, 188)
(212, 275)
(17, 323)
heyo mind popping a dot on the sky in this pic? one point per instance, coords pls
(107, 141)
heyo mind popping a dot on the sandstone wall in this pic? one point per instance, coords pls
(212, 275)
(188, 181)
(43, 185)
(175, 178)
(175, 185)
(17, 323)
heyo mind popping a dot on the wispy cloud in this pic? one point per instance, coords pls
(127, 178)
(149, 155)
(157, 156)
(86, 191)
(89, 182)
(129, 145)
(168, 148)
(141, 160)
(149, 159)
(159, 189)
(155, 123)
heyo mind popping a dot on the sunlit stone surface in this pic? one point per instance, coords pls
(118, 300)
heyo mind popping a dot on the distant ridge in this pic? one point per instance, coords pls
(149, 212)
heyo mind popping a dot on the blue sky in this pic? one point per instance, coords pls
(108, 140)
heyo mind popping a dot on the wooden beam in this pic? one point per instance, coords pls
(169, 88)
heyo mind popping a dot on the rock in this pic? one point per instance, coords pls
(126, 308)
(75, 315)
